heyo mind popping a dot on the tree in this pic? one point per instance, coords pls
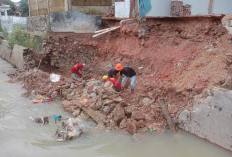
(24, 7)
(12, 7)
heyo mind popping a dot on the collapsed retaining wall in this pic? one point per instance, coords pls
(14, 56)
(211, 118)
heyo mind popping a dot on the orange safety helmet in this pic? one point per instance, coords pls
(119, 67)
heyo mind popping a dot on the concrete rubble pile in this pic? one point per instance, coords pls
(109, 108)
(96, 100)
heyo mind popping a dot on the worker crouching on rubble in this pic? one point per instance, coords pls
(75, 70)
(112, 82)
(112, 73)
(129, 74)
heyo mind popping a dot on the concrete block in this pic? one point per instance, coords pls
(5, 52)
(211, 118)
(17, 56)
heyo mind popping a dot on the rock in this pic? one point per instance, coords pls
(118, 99)
(123, 104)
(141, 124)
(123, 123)
(72, 85)
(97, 116)
(138, 115)
(131, 126)
(76, 112)
(109, 65)
(118, 113)
(118, 60)
(106, 109)
(84, 115)
(54, 94)
(146, 101)
(140, 68)
(129, 110)
(93, 95)
(107, 102)
(96, 106)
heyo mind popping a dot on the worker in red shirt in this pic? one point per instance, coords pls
(75, 70)
(112, 81)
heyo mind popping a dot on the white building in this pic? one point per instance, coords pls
(4, 8)
(163, 7)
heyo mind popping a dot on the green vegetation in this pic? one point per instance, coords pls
(19, 36)
(24, 7)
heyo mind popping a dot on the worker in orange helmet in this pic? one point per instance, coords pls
(129, 74)
(75, 70)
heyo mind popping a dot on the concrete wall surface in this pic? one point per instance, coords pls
(222, 7)
(37, 23)
(5, 52)
(200, 7)
(17, 56)
(14, 56)
(9, 21)
(122, 9)
(211, 118)
(73, 21)
(160, 8)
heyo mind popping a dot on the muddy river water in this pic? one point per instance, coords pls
(20, 137)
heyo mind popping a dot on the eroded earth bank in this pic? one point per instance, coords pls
(185, 62)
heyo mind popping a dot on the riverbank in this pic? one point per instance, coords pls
(176, 60)
(28, 139)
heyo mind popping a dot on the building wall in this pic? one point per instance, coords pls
(40, 7)
(160, 8)
(222, 7)
(91, 2)
(200, 7)
(73, 21)
(122, 9)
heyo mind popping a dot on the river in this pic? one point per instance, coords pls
(21, 137)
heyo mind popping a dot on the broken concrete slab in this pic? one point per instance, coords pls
(211, 118)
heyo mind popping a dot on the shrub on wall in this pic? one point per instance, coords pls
(20, 37)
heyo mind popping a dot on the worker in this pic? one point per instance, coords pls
(129, 74)
(117, 87)
(75, 70)
(112, 73)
